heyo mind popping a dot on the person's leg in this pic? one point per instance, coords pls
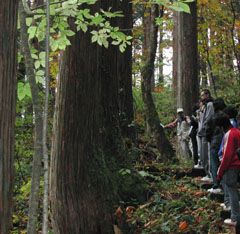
(231, 177)
(187, 149)
(182, 149)
(225, 191)
(201, 150)
(214, 163)
(195, 149)
(205, 155)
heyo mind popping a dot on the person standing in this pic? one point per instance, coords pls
(208, 112)
(214, 135)
(229, 169)
(183, 128)
(193, 122)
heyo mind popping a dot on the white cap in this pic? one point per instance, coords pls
(179, 110)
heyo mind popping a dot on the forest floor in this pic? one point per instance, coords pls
(176, 201)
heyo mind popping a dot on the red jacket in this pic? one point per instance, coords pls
(231, 143)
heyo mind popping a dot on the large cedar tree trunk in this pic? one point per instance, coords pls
(125, 74)
(8, 21)
(86, 137)
(185, 59)
(151, 114)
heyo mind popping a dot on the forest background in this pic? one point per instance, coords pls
(89, 108)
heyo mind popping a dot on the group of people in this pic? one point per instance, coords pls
(211, 137)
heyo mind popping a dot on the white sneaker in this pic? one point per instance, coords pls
(215, 191)
(198, 166)
(206, 179)
(225, 208)
(222, 205)
(230, 222)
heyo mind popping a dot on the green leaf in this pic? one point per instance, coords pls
(37, 64)
(69, 33)
(29, 21)
(42, 55)
(97, 19)
(40, 73)
(116, 42)
(23, 90)
(28, 90)
(122, 48)
(20, 91)
(185, 7)
(40, 80)
(32, 31)
(143, 173)
(94, 38)
(54, 45)
(34, 56)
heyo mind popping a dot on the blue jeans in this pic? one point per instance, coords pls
(229, 182)
(214, 164)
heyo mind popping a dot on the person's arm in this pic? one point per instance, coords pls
(209, 112)
(228, 154)
(172, 124)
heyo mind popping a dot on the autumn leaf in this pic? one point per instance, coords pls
(183, 225)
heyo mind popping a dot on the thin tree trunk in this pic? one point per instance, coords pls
(147, 19)
(203, 72)
(45, 125)
(160, 56)
(160, 52)
(236, 54)
(8, 37)
(38, 121)
(152, 118)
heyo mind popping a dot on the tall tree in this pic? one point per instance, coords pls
(152, 118)
(148, 17)
(86, 136)
(8, 21)
(38, 122)
(185, 61)
(125, 74)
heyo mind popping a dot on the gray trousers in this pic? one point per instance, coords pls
(205, 155)
(229, 183)
(185, 151)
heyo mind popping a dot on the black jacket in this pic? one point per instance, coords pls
(214, 134)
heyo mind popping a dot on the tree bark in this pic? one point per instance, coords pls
(38, 125)
(45, 124)
(186, 59)
(160, 56)
(86, 140)
(8, 22)
(152, 118)
(125, 75)
(147, 19)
